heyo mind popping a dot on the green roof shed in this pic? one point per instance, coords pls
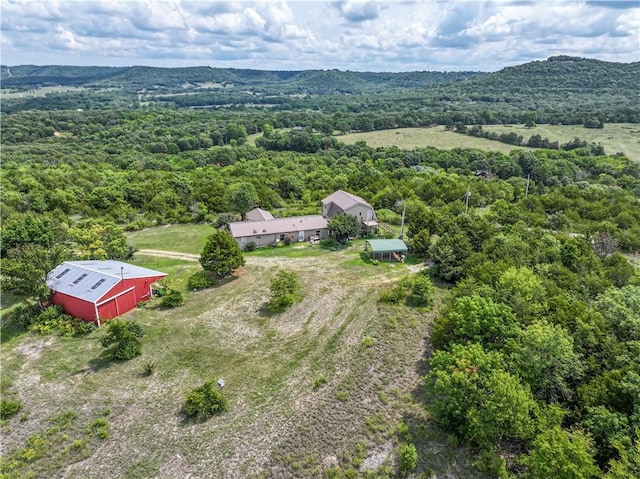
(392, 248)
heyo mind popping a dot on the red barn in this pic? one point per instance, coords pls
(95, 290)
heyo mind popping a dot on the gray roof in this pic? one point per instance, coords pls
(345, 200)
(387, 246)
(291, 224)
(90, 280)
(258, 214)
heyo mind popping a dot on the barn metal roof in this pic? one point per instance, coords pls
(387, 246)
(90, 280)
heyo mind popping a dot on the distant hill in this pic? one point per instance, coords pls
(558, 74)
(561, 89)
(153, 78)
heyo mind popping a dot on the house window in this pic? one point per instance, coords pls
(97, 285)
(83, 276)
(281, 236)
(317, 232)
(63, 273)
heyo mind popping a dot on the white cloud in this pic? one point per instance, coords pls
(350, 34)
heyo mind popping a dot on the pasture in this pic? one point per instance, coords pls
(615, 137)
(323, 389)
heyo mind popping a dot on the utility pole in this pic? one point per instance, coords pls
(404, 209)
(526, 191)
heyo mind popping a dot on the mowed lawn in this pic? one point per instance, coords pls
(187, 238)
(615, 137)
(318, 390)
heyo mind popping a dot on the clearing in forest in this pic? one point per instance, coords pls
(316, 391)
(615, 137)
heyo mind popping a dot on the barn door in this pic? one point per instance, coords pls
(300, 235)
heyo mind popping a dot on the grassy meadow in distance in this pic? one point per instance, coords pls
(615, 137)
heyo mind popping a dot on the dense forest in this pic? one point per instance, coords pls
(535, 353)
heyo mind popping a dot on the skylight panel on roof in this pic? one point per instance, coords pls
(63, 273)
(97, 285)
(83, 276)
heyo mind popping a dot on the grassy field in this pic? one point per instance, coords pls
(622, 137)
(188, 238)
(41, 91)
(316, 391)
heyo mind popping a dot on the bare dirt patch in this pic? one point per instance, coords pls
(169, 254)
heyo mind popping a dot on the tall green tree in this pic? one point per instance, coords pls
(241, 197)
(544, 358)
(562, 455)
(221, 254)
(475, 319)
(25, 269)
(343, 226)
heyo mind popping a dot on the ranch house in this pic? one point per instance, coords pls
(270, 231)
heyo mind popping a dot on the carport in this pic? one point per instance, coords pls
(386, 249)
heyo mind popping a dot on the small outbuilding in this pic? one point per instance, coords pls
(387, 249)
(97, 290)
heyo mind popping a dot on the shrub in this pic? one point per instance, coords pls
(393, 295)
(125, 335)
(250, 246)
(204, 402)
(9, 408)
(172, 299)
(422, 291)
(149, 368)
(200, 280)
(408, 457)
(53, 320)
(283, 286)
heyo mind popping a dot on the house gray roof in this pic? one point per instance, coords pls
(387, 246)
(90, 280)
(240, 229)
(345, 200)
(258, 214)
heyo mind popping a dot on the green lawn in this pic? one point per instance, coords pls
(188, 238)
(615, 137)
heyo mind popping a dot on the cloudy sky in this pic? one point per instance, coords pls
(294, 35)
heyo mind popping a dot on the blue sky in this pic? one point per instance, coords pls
(295, 35)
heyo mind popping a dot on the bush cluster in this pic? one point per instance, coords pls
(50, 320)
(126, 336)
(204, 401)
(200, 280)
(416, 290)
